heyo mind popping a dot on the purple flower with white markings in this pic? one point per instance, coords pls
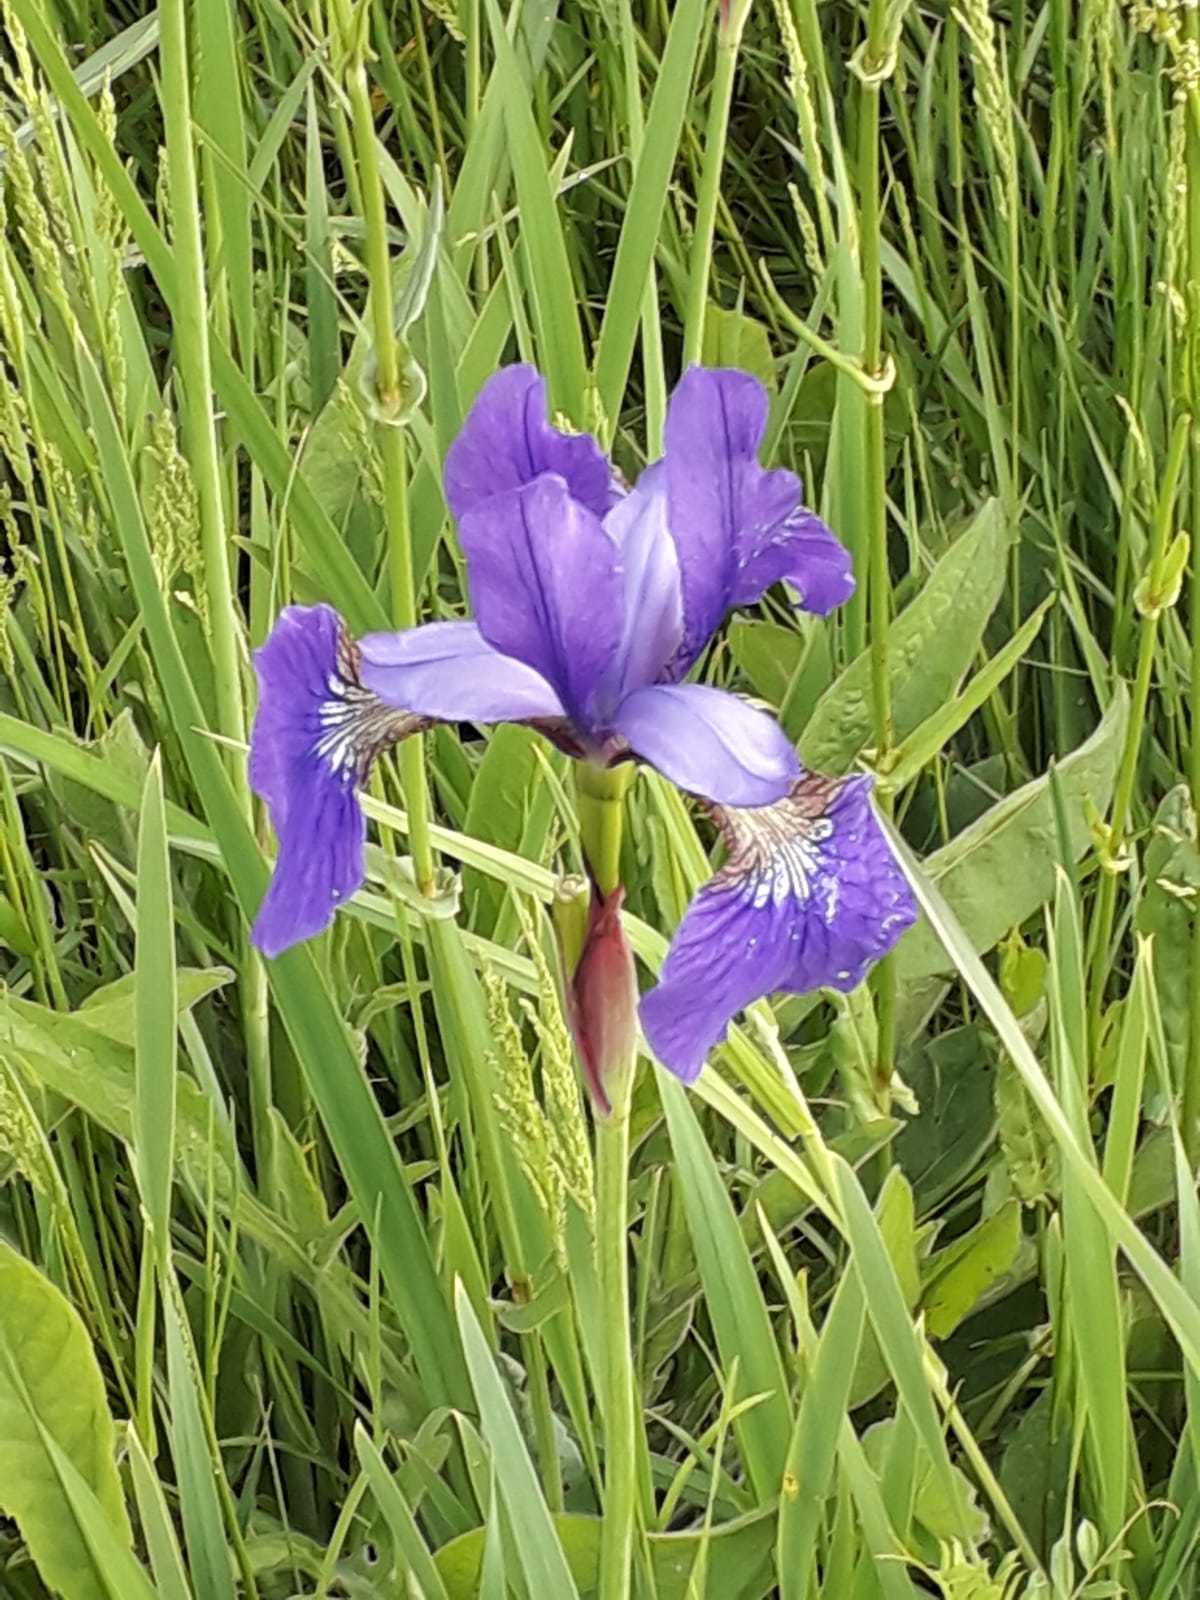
(591, 605)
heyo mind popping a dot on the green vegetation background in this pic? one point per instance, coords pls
(299, 1284)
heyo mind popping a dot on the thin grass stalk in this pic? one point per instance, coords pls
(191, 351)
(1151, 603)
(1190, 1110)
(389, 392)
(190, 317)
(652, 362)
(729, 38)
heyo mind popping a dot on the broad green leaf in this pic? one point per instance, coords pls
(768, 654)
(60, 1051)
(123, 1575)
(51, 1390)
(124, 753)
(110, 1009)
(735, 339)
(1167, 909)
(931, 1508)
(738, 1558)
(951, 1077)
(930, 646)
(905, 763)
(500, 797)
(1035, 1472)
(998, 871)
(960, 1275)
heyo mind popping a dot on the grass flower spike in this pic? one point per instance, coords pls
(591, 605)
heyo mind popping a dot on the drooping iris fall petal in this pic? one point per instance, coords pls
(316, 732)
(810, 896)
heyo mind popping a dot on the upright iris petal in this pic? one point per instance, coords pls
(738, 528)
(507, 442)
(809, 897)
(546, 587)
(315, 735)
(651, 601)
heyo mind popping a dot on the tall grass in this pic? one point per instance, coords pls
(300, 1288)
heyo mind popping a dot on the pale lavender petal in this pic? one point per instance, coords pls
(546, 587)
(506, 441)
(652, 606)
(316, 732)
(710, 742)
(738, 528)
(809, 897)
(447, 671)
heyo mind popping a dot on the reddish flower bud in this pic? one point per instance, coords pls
(602, 997)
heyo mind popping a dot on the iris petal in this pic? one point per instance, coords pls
(738, 528)
(316, 732)
(546, 587)
(710, 742)
(652, 610)
(449, 672)
(506, 441)
(810, 896)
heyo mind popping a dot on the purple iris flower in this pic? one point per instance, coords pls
(591, 605)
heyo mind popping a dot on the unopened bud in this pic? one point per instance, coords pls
(602, 1002)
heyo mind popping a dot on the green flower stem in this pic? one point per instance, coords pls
(620, 1416)
(729, 38)
(600, 805)
(389, 383)
(600, 802)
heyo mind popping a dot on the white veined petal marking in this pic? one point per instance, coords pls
(356, 725)
(775, 851)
